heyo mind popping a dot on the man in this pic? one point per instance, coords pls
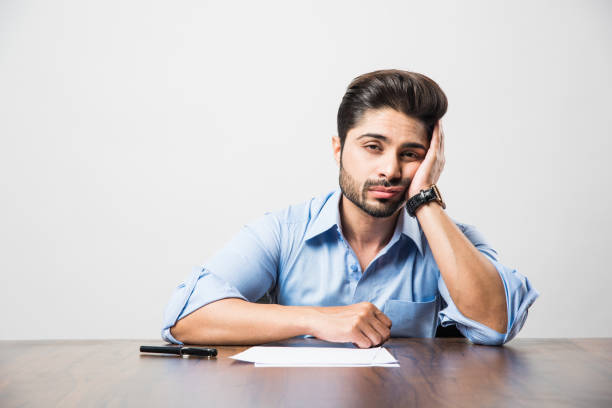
(378, 258)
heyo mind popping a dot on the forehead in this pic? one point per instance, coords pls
(390, 123)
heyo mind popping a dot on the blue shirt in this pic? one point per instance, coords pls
(299, 257)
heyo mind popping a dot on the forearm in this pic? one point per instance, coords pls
(237, 322)
(472, 280)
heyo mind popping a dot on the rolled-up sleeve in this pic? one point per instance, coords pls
(246, 268)
(520, 295)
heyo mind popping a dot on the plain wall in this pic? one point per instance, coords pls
(136, 137)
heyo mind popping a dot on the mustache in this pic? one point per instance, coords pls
(386, 183)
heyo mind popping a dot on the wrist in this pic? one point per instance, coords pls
(428, 208)
(308, 321)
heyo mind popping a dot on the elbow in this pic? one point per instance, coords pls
(498, 322)
(492, 331)
(178, 332)
(486, 337)
(189, 330)
(496, 319)
(205, 326)
(490, 342)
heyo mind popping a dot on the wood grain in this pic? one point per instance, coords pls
(434, 372)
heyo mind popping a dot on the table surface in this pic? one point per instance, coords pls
(432, 372)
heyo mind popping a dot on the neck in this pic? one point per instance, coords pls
(362, 230)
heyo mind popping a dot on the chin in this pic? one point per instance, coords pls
(387, 202)
(383, 208)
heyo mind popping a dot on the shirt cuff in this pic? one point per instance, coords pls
(520, 295)
(167, 336)
(202, 288)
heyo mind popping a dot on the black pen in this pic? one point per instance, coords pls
(180, 350)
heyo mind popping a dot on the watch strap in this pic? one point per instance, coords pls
(423, 197)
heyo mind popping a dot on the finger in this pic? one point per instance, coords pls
(383, 330)
(374, 337)
(383, 318)
(435, 137)
(442, 138)
(361, 340)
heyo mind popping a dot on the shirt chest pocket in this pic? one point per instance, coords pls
(412, 319)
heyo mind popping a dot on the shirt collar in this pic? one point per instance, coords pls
(329, 217)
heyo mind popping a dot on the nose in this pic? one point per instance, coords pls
(390, 168)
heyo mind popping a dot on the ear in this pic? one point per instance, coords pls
(337, 148)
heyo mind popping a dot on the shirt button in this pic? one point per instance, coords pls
(354, 268)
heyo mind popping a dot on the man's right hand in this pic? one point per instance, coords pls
(362, 324)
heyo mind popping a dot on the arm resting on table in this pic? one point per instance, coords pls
(238, 322)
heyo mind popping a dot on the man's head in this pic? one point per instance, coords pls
(385, 123)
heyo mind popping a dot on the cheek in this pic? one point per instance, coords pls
(356, 162)
(411, 169)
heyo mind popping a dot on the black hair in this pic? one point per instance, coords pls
(413, 94)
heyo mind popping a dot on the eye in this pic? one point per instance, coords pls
(372, 147)
(410, 155)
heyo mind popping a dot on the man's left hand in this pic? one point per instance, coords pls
(430, 169)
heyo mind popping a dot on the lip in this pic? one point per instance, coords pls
(385, 192)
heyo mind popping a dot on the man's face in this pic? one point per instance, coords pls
(379, 159)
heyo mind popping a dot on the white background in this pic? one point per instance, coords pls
(136, 137)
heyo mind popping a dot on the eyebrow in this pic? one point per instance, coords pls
(386, 140)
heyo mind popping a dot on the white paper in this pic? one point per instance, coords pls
(327, 365)
(317, 357)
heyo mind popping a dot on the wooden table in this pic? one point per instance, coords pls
(433, 372)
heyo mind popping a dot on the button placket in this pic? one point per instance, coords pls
(351, 258)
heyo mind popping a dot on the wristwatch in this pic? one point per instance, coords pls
(425, 196)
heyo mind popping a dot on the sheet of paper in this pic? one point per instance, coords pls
(264, 356)
(327, 365)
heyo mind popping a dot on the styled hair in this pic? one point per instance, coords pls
(413, 94)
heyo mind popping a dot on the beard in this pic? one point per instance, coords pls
(383, 207)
